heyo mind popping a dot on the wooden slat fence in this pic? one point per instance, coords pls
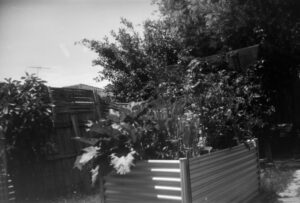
(56, 176)
(3, 173)
(7, 192)
(229, 175)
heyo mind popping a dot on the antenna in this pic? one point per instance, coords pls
(38, 69)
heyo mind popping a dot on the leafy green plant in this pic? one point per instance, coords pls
(117, 139)
(215, 108)
(25, 117)
(230, 104)
(153, 129)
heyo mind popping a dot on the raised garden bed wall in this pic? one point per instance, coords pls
(229, 175)
(149, 181)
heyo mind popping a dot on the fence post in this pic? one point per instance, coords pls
(97, 105)
(75, 125)
(185, 181)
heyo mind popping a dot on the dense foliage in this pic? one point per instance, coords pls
(136, 65)
(220, 104)
(25, 117)
(167, 127)
(210, 26)
(153, 129)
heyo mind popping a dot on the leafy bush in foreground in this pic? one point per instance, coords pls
(25, 117)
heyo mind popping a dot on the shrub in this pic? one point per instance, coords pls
(25, 117)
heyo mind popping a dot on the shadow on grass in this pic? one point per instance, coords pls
(274, 178)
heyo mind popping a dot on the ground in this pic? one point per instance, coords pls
(292, 192)
(280, 182)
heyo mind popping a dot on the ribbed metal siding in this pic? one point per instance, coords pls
(149, 181)
(229, 175)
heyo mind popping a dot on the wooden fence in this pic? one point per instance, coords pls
(229, 175)
(7, 192)
(56, 176)
(3, 172)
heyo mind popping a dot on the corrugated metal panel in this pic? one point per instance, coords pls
(229, 175)
(149, 181)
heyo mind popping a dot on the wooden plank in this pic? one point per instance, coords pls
(75, 125)
(70, 92)
(97, 105)
(74, 111)
(74, 106)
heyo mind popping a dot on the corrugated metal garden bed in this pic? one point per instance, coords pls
(229, 175)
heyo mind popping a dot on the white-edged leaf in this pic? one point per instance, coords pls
(95, 172)
(89, 154)
(122, 164)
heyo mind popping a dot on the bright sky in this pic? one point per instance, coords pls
(43, 32)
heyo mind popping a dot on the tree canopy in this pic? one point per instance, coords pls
(136, 64)
(159, 63)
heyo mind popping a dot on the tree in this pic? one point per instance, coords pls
(134, 65)
(156, 64)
